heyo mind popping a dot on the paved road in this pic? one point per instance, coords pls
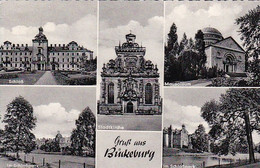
(46, 79)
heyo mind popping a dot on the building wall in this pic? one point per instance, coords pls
(119, 103)
(216, 56)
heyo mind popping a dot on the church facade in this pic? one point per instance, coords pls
(42, 56)
(130, 83)
(224, 53)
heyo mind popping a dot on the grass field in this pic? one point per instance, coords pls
(24, 78)
(130, 122)
(67, 161)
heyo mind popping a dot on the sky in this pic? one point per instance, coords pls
(62, 21)
(144, 19)
(183, 105)
(56, 108)
(190, 16)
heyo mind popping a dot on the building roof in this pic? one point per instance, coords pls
(220, 44)
(211, 30)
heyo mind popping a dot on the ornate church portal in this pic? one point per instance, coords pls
(130, 84)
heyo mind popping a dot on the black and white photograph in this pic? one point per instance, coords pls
(211, 127)
(48, 42)
(212, 44)
(48, 127)
(130, 66)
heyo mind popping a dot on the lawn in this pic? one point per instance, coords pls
(24, 78)
(130, 122)
(67, 161)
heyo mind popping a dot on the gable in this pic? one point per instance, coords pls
(229, 43)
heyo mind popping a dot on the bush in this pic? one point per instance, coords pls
(63, 79)
(222, 81)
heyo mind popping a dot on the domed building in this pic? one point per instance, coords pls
(224, 53)
(211, 35)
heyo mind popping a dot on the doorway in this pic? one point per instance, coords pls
(129, 107)
(39, 66)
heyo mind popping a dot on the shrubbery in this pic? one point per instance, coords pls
(64, 79)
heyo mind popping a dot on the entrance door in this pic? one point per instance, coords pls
(227, 66)
(53, 67)
(39, 66)
(129, 107)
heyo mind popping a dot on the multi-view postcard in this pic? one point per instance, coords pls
(48, 43)
(156, 84)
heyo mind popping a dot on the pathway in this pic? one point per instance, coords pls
(46, 79)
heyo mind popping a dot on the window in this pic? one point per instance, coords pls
(62, 59)
(148, 94)
(111, 93)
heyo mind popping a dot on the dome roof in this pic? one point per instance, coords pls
(211, 35)
(211, 30)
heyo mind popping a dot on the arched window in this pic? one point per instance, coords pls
(111, 93)
(148, 94)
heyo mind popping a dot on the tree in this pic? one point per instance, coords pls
(191, 44)
(51, 146)
(19, 122)
(200, 139)
(84, 135)
(184, 43)
(234, 117)
(171, 51)
(188, 65)
(250, 34)
(200, 47)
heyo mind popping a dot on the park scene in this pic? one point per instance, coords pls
(219, 49)
(218, 129)
(37, 131)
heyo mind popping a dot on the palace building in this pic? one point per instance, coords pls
(176, 138)
(224, 53)
(130, 83)
(42, 56)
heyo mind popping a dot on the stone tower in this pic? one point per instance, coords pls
(40, 51)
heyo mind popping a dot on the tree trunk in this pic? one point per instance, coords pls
(249, 138)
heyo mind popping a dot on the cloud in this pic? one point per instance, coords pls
(189, 20)
(176, 115)
(52, 118)
(83, 31)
